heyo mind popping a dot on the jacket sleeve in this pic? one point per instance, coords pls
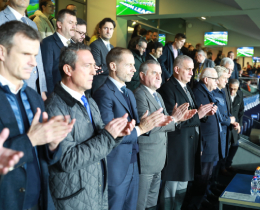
(162, 61)
(142, 106)
(75, 155)
(106, 106)
(40, 26)
(47, 59)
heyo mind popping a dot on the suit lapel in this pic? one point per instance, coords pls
(57, 40)
(104, 46)
(150, 97)
(180, 89)
(118, 95)
(8, 14)
(170, 47)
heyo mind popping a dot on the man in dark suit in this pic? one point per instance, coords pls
(152, 147)
(137, 47)
(183, 144)
(237, 110)
(27, 186)
(235, 71)
(51, 46)
(185, 49)
(202, 63)
(114, 100)
(156, 51)
(154, 39)
(170, 53)
(100, 49)
(16, 11)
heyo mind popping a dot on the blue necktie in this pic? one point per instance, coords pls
(24, 20)
(86, 104)
(157, 99)
(124, 90)
(108, 47)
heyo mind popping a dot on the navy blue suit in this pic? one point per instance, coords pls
(235, 72)
(112, 104)
(13, 185)
(51, 47)
(166, 60)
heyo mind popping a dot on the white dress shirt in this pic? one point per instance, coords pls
(153, 57)
(106, 43)
(63, 39)
(11, 86)
(119, 86)
(17, 15)
(233, 97)
(73, 93)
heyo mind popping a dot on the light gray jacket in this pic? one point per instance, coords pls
(152, 147)
(76, 179)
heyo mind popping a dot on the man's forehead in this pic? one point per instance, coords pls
(86, 56)
(108, 24)
(70, 17)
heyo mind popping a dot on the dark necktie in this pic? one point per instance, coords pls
(24, 20)
(200, 65)
(124, 90)
(157, 99)
(189, 97)
(86, 105)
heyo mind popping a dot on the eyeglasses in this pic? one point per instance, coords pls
(81, 33)
(216, 79)
(52, 6)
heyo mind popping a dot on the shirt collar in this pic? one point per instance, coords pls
(105, 42)
(73, 93)
(117, 84)
(182, 84)
(203, 60)
(17, 15)
(11, 86)
(150, 90)
(153, 57)
(63, 39)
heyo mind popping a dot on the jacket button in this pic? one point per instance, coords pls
(21, 190)
(99, 185)
(191, 137)
(34, 72)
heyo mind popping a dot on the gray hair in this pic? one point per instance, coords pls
(234, 82)
(144, 66)
(201, 52)
(207, 72)
(220, 70)
(225, 61)
(180, 59)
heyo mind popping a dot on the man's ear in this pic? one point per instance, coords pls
(153, 51)
(142, 75)
(112, 66)
(176, 69)
(3, 53)
(59, 24)
(67, 69)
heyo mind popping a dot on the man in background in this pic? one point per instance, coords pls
(149, 36)
(235, 72)
(72, 7)
(156, 51)
(80, 33)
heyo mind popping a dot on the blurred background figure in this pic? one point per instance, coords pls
(72, 7)
(3, 4)
(96, 34)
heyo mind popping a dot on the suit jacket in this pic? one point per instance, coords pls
(183, 143)
(207, 64)
(237, 111)
(51, 47)
(38, 71)
(229, 106)
(166, 60)
(235, 72)
(112, 104)
(149, 57)
(139, 59)
(209, 130)
(152, 147)
(11, 189)
(99, 52)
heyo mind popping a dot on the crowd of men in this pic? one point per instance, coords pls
(103, 127)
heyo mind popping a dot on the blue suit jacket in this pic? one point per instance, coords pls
(51, 47)
(209, 130)
(6, 16)
(11, 194)
(112, 104)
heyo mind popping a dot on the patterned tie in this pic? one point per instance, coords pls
(157, 99)
(125, 91)
(86, 105)
(189, 97)
(24, 20)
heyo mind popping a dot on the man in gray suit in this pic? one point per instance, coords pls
(152, 147)
(100, 49)
(16, 11)
(202, 63)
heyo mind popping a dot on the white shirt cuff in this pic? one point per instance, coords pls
(138, 132)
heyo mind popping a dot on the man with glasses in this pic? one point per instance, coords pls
(81, 30)
(45, 27)
(3, 4)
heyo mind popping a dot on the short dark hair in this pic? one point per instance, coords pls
(149, 31)
(180, 35)
(229, 53)
(81, 22)
(136, 41)
(70, 5)
(69, 55)
(61, 14)
(143, 32)
(103, 22)
(10, 29)
(43, 3)
(114, 55)
(234, 81)
(156, 45)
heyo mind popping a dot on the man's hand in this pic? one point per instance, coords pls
(44, 97)
(178, 113)
(51, 131)
(213, 111)
(232, 120)
(188, 114)
(204, 110)
(237, 127)
(128, 128)
(8, 157)
(156, 119)
(97, 68)
(119, 126)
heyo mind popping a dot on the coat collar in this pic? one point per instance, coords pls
(57, 40)
(150, 96)
(8, 14)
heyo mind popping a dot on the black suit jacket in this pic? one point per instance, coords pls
(149, 57)
(51, 47)
(99, 52)
(183, 143)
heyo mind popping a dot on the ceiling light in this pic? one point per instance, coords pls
(203, 18)
(133, 23)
